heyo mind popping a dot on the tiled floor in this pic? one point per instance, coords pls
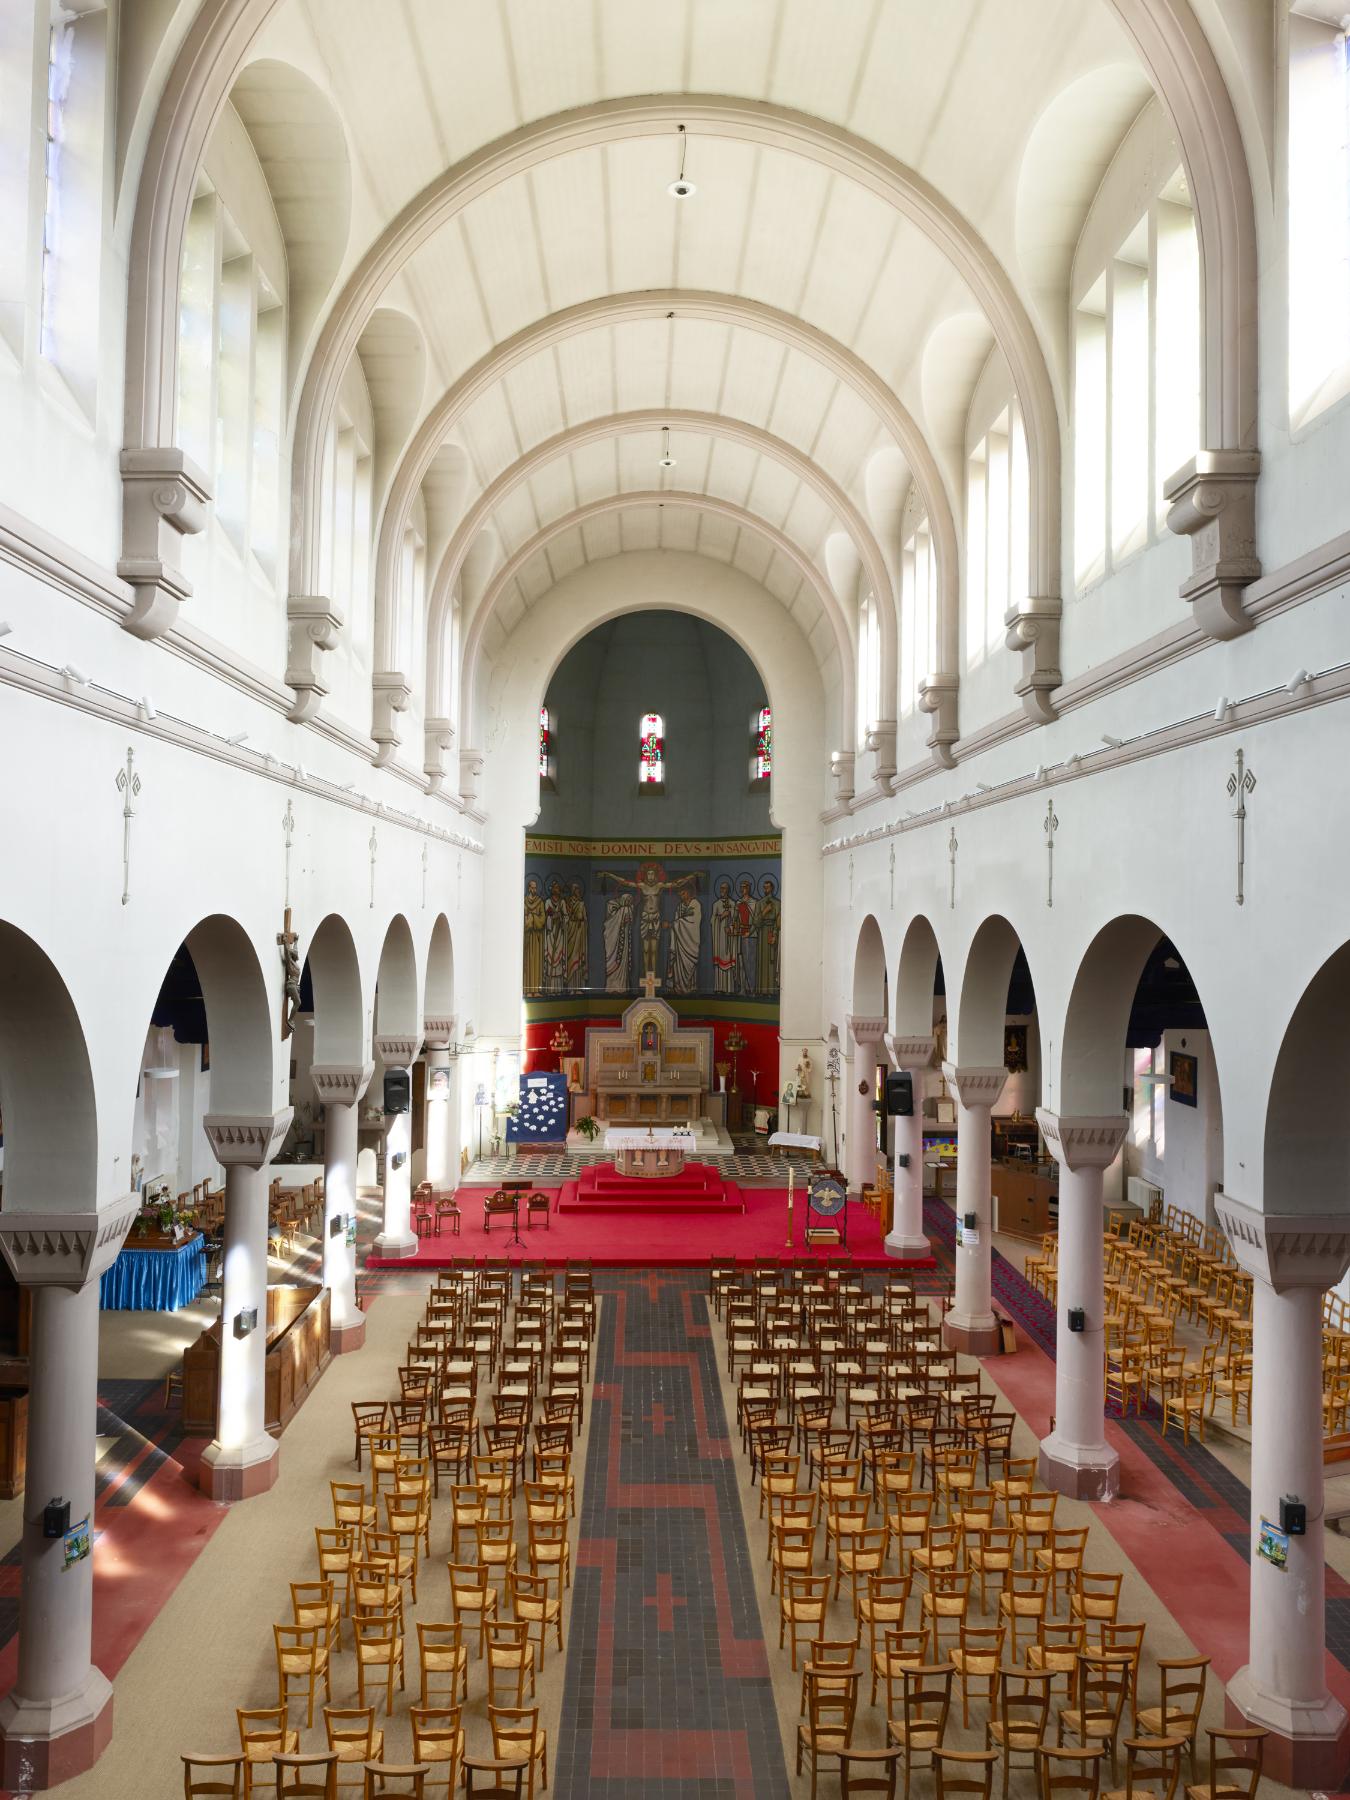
(668, 1691)
(744, 1165)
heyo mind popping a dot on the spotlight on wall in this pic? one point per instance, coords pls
(349, 787)
(76, 675)
(236, 738)
(1223, 710)
(1040, 771)
(146, 707)
(680, 188)
(667, 460)
(1073, 761)
(1112, 743)
(1299, 679)
(984, 787)
(301, 772)
(5, 628)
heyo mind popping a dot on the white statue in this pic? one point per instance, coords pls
(804, 1072)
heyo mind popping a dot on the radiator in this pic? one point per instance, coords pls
(1142, 1194)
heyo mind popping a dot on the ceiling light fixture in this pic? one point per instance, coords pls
(680, 189)
(667, 460)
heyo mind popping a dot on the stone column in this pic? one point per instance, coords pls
(860, 1113)
(439, 1132)
(970, 1325)
(340, 1089)
(1295, 1258)
(1076, 1458)
(397, 1238)
(57, 1719)
(906, 1237)
(242, 1459)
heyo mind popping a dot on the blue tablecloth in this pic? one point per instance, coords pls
(155, 1280)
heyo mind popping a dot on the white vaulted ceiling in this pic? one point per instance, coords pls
(787, 217)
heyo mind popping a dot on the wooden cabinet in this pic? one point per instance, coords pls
(1026, 1198)
(13, 1440)
(298, 1352)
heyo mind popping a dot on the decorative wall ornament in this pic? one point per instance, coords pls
(470, 773)
(1213, 503)
(128, 786)
(249, 1140)
(288, 827)
(975, 1085)
(398, 1049)
(374, 848)
(952, 847)
(164, 497)
(392, 696)
(1286, 1250)
(938, 697)
(1078, 1142)
(1032, 629)
(313, 625)
(1051, 827)
(1241, 783)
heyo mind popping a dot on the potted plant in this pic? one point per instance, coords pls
(589, 1128)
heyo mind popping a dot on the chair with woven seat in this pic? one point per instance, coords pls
(1069, 1772)
(510, 1660)
(355, 1739)
(350, 1506)
(991, 1553)
(549, 1551)
(1185, 1407)
(302, 1662)
(977, 1656)
(803, 1601)
(1062, 1558)
(534, 1602)
(1181, 1682)
(964, 1772)
(859, 1555)
(1152, 1769)
(518, 1737)
(878, 1608)
(832, 1704)
(916, 1718)
(262, 1732)
(1095, 1598)
(438, 1743)
(379, 1653)
(205, 1772)
(443, 1662)
(1094, 1716)
(314, 1603)
(1018, 1725)
(828, 1658)
(945, 1601)
(1236, 1774)
(368, 1418)
(1125, 1641)
(864, 1771)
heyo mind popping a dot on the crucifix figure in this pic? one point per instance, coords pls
(892, 875)
(1051, 827)
(1240, 784)
(128, 786)
(374, 852)
(288, 826)
(952, 847)
(424, 878)
(290, 964)
(649, 985)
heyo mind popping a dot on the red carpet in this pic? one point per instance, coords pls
(644, 1239)
(697, 1188)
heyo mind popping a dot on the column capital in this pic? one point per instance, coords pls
(975, 1086)
(438, 1031)
(66, 1249)
(397, 1049)
(246, 1140)
(1286, 1250)
(341, 1084)
(911, 1053)
(1079, 1142)
(865, 1030)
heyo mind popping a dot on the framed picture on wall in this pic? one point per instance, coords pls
(1184, 1070)
(1015, 1048)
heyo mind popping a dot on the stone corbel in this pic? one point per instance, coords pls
(841, 773)
(247, 1140)
(938, 697)
(1032, 629)
(341, 1084)
(392, 695)
(973, 1085)
(438, 735)
(398, 1049)
(912, 1053)
(470, 772)
(313, 625)
(881, 745)
(65, 1249)
(1286, 1250)
(164, 497)
(865, 1030)
(1212, 501)
(1077, 1142)
(438, 1031)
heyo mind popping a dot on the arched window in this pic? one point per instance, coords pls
(761, 754)
(1319, 207)
(918, 614)
(546, 762)
(652, 752)
(998, 503)
(869, 667)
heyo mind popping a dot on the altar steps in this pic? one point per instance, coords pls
(696, 1189)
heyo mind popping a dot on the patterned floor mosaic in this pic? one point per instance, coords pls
(547, 1169)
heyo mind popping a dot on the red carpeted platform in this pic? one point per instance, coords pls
(697, 1188)
(649, 1237)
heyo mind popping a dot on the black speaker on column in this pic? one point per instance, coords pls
(899, 1094)
(397, 1091)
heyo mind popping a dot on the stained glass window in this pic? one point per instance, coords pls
(545, 742)
(651, 750)
(762, 760)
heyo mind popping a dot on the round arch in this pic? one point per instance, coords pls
(339, 1006)
(915, 979)
(1306, 1153)
(869, 971)
(398, 1008)
(484, 613)
(438, 997)
(983, 1005)
(47, 1083)
(238, 1013)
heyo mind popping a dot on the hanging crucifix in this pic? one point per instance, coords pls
(1240, 784)
(128, 786)
(1051, 827)
(374, 852)
(424, 878)
(288, 826)
(290, 965)
(952, 848)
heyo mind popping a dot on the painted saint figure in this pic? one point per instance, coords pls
(555, 940)
(747, 917)
(618, 943)
(725, 948)
(534, 937)
(686, 934)
(577, 928)
(768, 930)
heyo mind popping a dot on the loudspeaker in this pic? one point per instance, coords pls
(899, 1094)
(1293, 1516)
(397, 1090)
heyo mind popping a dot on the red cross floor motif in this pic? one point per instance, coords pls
(658, 1418)
(653, 1284)
(665, 1600)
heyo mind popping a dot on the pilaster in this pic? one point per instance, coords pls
(1212, 501)
(165, 496)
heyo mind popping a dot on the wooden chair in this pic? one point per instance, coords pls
(493, 1779)
(990, 1554)
(302, 1662)
(550, 1553)
(314, 1772)
(533, 1601)
(379, 1650)
(1018, 1727)
(356, 1740)
(443, 1663)
(831, 1706)
(868, 1771)
(313, 1603)
(919, 1724)
(368, 1417)
(204, 1773)
(880, 1608)
(1152, 1769)
(947, 1597)
(395, 1778)
(977, 1656)
(1096, 1597)
(1182, 1683)
(350, 1506)
(968, 1772)
(1236, 1775)
(1126, 1643)
(336, 1546)
(1062, 1558)
(1059, 1645)
(1069, 1772)
(262, 1732)
(438, 1743)
(803, 1601)
(1184, 1407)
(518, 1737)
(1103, 1683)
(510, 1660)
(1023, 1600)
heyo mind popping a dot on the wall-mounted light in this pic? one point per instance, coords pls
(1112, 743)
(236, 738)
(5, 628)
(667, 460)
(146, 707)
(245, 1321)
(681, 188)
(1223, 711)
(1299, 679)
(78, 676)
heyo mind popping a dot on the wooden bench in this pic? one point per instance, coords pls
(500, 1202)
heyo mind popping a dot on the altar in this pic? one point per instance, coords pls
(655, 1152)
(649, 1069)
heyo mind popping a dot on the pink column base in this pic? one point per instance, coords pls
(47, 1744)
(1082, 1474)
(231, 1475)
(1308, 1746)
(348, 1337)
(972, 1337)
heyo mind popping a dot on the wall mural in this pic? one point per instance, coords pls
(703, 917)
